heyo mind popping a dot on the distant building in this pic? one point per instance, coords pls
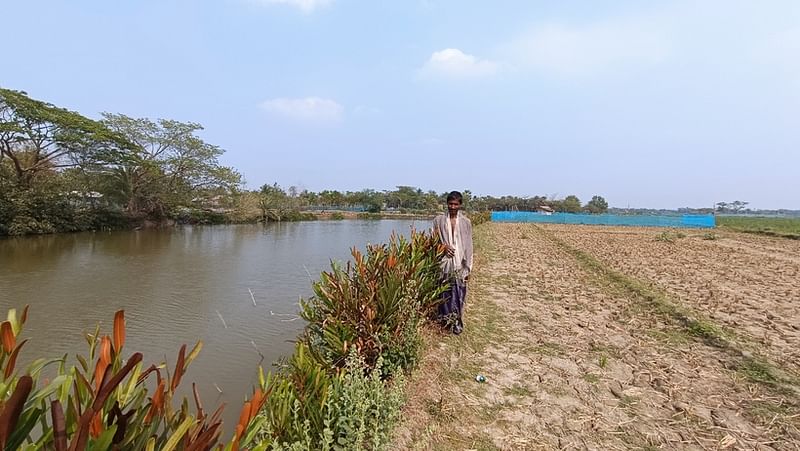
(545, 210)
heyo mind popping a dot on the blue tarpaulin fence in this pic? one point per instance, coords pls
(690, 221)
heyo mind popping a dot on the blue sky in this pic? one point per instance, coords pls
(650, 104)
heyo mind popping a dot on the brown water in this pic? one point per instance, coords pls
(180, 286)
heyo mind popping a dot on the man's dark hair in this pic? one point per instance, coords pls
(455, 195)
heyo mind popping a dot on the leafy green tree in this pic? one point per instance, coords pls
(571, 204)
(38, 137)
(597, 205)
(738, 206)
(331, 198)
(169, 166)
(43, 152)
(274, 203)
(371, 200)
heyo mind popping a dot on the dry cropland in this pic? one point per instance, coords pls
(616, 338)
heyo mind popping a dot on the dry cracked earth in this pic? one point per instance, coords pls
(616, 338)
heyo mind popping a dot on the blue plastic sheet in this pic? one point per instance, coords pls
(688, 221)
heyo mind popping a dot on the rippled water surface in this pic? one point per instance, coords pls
(179, 286)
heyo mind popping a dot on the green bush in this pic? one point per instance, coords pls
(342, 387)
(479, 217)
(200, 217)
(369, 215)
(376, 303)
(311, 409)
(102, 402)
(51, 208)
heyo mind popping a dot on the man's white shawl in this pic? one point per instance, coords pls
(460, 264)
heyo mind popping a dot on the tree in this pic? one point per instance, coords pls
(737, 206)
(597, 205)
(331, 198)
(168, 166)
(571, 204)
(274, 203)
(371, 200)
(38, 137)
(406, 197)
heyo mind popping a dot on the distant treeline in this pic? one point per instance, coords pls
(274, 200)
(63, 172)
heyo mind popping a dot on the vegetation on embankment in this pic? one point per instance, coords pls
(342, 388)
(770, 226)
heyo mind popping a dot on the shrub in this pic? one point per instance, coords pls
(479, 217)
(103, 402)
(310, 409)
(369, 215)
(342, 387)
(199, 216)
(375, 303)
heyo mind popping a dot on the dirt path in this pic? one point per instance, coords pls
(576, 361)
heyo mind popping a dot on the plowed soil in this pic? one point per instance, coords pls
(616, 338)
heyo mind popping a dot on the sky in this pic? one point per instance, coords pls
(661, 104)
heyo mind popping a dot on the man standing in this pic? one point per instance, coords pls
(455, 231)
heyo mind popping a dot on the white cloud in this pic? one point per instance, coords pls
(308, 109)
(453, 63)
(575, 50)
(307, 6)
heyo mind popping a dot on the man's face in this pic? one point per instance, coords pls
(453, 206)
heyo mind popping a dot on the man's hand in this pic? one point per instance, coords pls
(466, 278)
(451, 251)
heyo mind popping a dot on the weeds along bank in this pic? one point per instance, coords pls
(341, 389)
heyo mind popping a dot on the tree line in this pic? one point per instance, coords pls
(415, 200)
(61, 172)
